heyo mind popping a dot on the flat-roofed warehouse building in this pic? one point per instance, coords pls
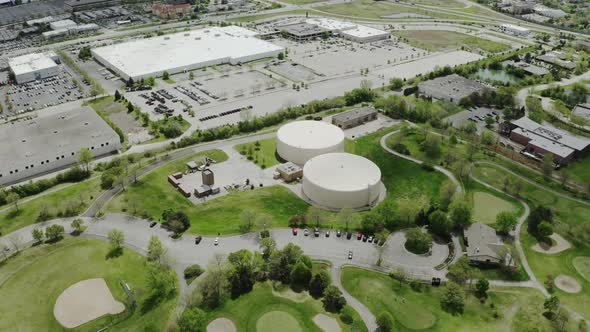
(515, 29)
(184, 51)
(52, 141)
(302, 31)
(542, 139)
(316, 27)
(452, 88)
(34, 66)
(355, 117)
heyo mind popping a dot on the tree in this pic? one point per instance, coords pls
(281, 56)
(192, 320)
(408, 209)
(156, 249)
(165, 76)
(417, 241)
(315, 215)
(116, 239)
(460, 272)
(117, 95)
(345, 217)
(447, 191)
(385, 321)
(399, 275)
(191, 76)
(545, 229)
(452, 299)
(396, 83)
(547, 165)
(214, 287)
(481, 288)
(85, 158)
(130, 107)
(12, 198)
(333, 299)
(318, 283)
(78, 226)
(460, 213)
(161, 282)
(37, 235)
(242, 274)
(432, 146)
(281, 262)
(489, 121)
(300, 274)
(440, 223)
(506, 221)
(538, 214)
(267, 246)
(551, 304)
(54, 232)
(247, 220)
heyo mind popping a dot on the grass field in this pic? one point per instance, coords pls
(571, 221)
(578, 170)
(77, 196)
(413, 141)
(264, 310)
(582, 266)
(439, 3)
(31, 282)
(265, 16)
(378, 10)
(219, 215)
(300, 2)
(262, 153)
(439, 40)
(487, 206)
(518, 309)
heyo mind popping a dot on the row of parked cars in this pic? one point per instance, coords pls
(349, 235)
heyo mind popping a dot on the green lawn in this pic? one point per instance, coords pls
(439, 40)
(217, 215)
(265, 309)
(301, 2)
(265, 16)
(378, 10)
(439, 3)
(31, 282)
(519, 309)
(571, 221)
(582, 266)
(578, 170)
(262, 153)
(487, 206)
(77, 196)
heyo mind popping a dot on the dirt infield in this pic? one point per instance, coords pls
(85, 301)
(560, 244)
(327, 323)
(221, 325)
(567, 284)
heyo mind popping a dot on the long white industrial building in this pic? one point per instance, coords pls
(300, 141)
(184, 51)
(34, 66)
(342, 180)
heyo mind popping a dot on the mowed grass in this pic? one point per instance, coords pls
(440, 40)
(578, 170)
(266, 311)
(582, 265)
(263, 153)
(153, 194)
(378, 10)
(31, 282)
(487, 206)
(518, 309)
(79, 195)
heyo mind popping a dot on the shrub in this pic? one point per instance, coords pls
(417, 241)
(193, 271)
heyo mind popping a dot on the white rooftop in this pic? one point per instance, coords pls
(515, 27)
(30, 63)
(361, 31)
(63, 24)
(330, 24)
(342, 172)
(184, 51)
(309, 134)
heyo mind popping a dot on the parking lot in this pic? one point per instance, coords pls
(28, 11)
(159, 103)
(476, 115)
(42, 93)
(236, 84)
(294, 71)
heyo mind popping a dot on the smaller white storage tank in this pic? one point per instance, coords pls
(300, 141)
(342, 180)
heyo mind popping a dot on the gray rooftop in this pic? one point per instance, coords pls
(451, 86)
(531, 69)
(302, 29)
(289, 168)
(561, 138)
(582, 110)
(354, 114)
(482, 241)
(51, 134)
(554, 58)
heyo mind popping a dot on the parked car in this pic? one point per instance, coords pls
(294, 231)
(327, 233)
(216, 242)
(350, 254)
(316, 232)
(370, 239)
(348, 235)
(365, 238)
(153, 224)
(359, 236)
(305, 232)
(198, 239)
(338, 233)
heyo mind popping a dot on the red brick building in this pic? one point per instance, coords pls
(168, 11)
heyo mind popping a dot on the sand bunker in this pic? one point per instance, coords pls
(567, 284)
(221, 325)
(85, 301)
(327, 323)
(560, 244)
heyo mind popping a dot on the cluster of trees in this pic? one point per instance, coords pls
(360, 95)
(175, 221)
(571, 96)
(502, 97)
(540, 223)
(53, 233)
(418, 241)
(415, 110)
(84, 53)
(151, 81)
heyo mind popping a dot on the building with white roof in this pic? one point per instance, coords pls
(549, 12)
(515, 29)
(300, 141)
(348, 30)
(52, 141)
(34, 66)
(62, 24)
(184, 51)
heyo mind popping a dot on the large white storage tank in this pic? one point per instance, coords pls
(342, 180)
(300, 141)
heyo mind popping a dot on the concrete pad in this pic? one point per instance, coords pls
(85, 301)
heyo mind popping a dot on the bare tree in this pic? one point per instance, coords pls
(16, 242)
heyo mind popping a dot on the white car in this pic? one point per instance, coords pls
(216, 242)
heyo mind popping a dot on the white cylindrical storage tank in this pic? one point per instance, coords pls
(342, 180)
(300, 141)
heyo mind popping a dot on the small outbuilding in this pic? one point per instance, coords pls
(289, 171)
(355, 117)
